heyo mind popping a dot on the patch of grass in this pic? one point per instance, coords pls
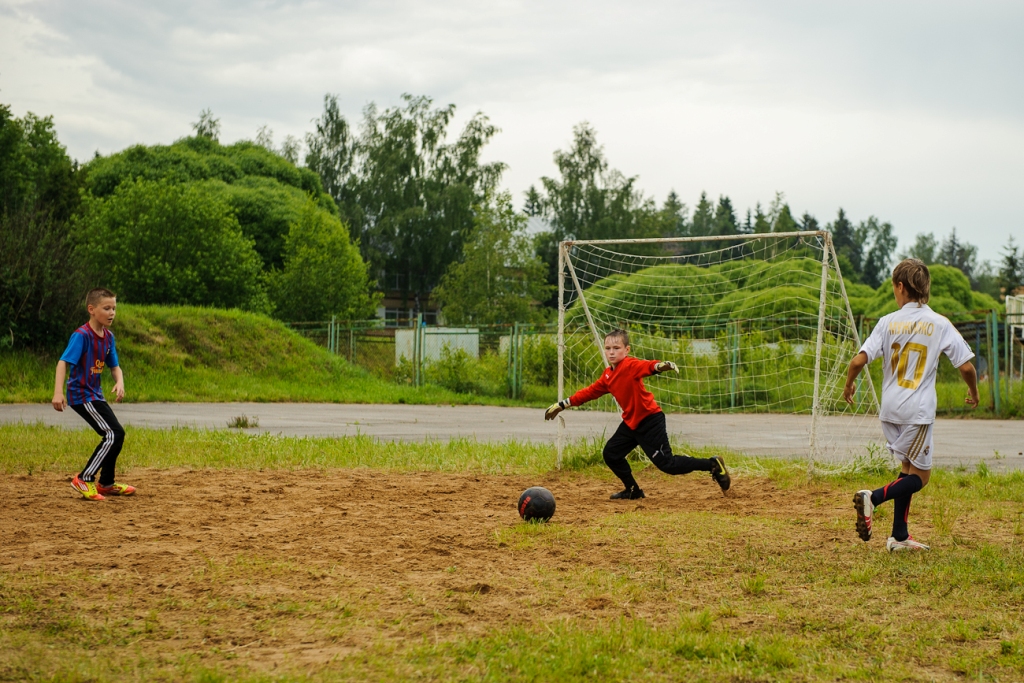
(188, 354)
(39, 448)
(244, 422)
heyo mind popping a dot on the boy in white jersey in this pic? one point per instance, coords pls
(910, 342)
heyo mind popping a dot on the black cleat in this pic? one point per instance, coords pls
(632, 493)
(720, 474)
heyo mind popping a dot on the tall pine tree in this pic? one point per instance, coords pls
(703, 223)
(725, 217)
(1011, 270)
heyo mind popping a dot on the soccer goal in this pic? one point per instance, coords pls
(760, 326)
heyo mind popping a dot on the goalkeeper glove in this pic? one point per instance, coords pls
(556, 408)
(665, 366)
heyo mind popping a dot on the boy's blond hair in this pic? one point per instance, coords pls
(620, 334)
(914, 276)
(94, 296)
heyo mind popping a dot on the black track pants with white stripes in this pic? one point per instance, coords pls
(101, 418)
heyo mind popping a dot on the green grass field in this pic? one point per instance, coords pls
(772, 585)
(195, 354)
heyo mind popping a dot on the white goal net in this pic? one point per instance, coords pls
(759, 325)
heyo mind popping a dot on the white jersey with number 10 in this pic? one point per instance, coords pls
(909, 341)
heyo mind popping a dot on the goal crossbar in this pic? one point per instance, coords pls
(712, 238)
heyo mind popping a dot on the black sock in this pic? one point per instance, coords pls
(903, 486)
(628, 481)
(901, 512)
(901, 508)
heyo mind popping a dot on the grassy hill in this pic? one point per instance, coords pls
(200, 354)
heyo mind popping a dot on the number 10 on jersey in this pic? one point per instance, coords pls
(898, 363)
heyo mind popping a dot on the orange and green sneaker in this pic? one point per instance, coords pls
(87, 489)
(116, 489)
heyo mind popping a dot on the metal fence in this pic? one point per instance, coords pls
(520, 360)
(516, 360)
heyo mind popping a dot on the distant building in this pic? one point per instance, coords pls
(399, 306)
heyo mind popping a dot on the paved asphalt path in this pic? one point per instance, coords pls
(1000, 443)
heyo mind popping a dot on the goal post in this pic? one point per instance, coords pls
(760, 325)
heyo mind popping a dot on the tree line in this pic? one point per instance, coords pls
(396, 202)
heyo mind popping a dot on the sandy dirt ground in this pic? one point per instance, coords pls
(411, 556)
(1000, 443)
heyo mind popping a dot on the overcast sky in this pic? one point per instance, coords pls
(910, 111)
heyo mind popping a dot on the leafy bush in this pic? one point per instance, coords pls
(323, 274)
(685, 291)
(157, 243)
(540, 360)
(266, 193)
(452, 371)
(42, 282)
(192, 160)
(460, 372)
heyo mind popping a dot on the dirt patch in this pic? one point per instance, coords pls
(303, 566)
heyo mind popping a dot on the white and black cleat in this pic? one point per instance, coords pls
(865, 508)
(894, 546)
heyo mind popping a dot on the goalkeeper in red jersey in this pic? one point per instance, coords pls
(643, 423)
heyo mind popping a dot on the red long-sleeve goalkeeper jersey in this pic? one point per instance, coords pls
(626, 383)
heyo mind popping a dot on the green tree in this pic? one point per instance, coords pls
(323, 273)
(848, 240)
(534, 204)
(958, 254)
(925, 248)
(809, 223)
(1011, 270)
(499, 279)
(35, 170)
(703, 223)
(42, 282)
(725, 218)
(207, 126)
(879, 255)
(331, 155)
(289, 148)
(163, 243)
(416, 191)
(673, 217)
(590, 200)
(761, 224)
(265, 138)
(780, 217)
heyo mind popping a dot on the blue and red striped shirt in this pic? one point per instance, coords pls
(87, 354)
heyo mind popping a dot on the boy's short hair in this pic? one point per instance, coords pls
(620, 334)
(914, 276)
(96, 295)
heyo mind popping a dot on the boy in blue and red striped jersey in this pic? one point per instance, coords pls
(90, 349)
(643, 423)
